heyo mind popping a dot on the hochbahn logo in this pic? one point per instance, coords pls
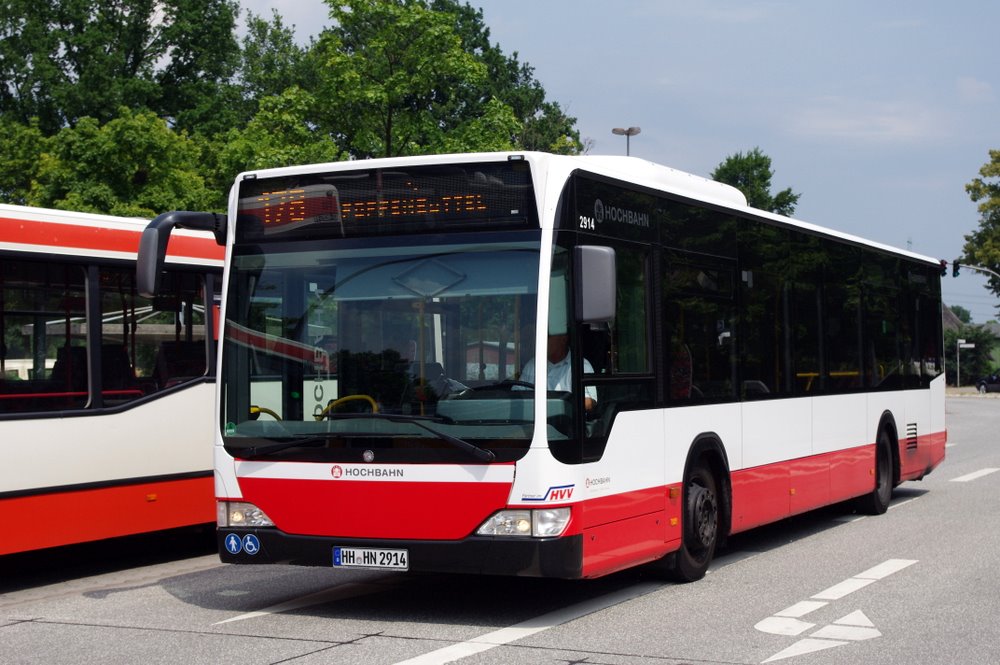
(364, 472)
(609, 213)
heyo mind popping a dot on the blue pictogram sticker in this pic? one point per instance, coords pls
(233, 544)
(250, 544)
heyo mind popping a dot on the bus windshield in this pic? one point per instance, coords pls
(396, 350)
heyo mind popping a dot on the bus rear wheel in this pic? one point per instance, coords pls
(877, 501)
(700, 524)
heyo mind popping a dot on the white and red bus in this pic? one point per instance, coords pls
(105, 396)
(541, 365)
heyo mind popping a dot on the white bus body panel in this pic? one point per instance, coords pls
(94, 448)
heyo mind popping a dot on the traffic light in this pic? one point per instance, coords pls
(955, 265)
(944, 268)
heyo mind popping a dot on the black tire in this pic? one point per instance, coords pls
(700, 524)
(877, 502)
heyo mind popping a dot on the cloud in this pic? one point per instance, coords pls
(973, 91)
(840, 118)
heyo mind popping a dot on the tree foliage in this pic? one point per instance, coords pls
(392, 72)
(148, 105)
(134, 165)
(976, 361)
(982, 246)
(69, 59)
(964, 315)
(751, 174)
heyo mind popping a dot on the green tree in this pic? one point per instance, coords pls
(134, 165)
(543, 124)
(982, 246)
(271, 61)
(976, 361)
(383, 68)
(751, 174)
(21, 146)
(280, 134)
(964, 315)
(68, 59)
(202, 57)
(143, 106)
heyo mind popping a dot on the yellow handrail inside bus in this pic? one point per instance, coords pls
(813, 375)
(347, 398)
(254, 410)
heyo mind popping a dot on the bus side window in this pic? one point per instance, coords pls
(595, 342)
(43, 302)
(619, 354)
(178, 361)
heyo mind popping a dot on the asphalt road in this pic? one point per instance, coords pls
(916, 585)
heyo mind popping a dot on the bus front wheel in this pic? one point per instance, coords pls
(700, 526)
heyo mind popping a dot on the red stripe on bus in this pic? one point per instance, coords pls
(624, 530)
(50, 234)
(916, 462)
(619, 530)
(360, 509)
(65, 518)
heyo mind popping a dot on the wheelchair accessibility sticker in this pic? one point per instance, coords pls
(249, 544)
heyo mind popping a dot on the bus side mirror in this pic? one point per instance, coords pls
(596, 288)
(153, 244)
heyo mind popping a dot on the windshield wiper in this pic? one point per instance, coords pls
(316, 441)
(479, 453)
(277, 447)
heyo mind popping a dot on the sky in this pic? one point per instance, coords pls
(877, 113)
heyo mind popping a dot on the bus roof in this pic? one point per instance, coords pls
(44, 231)
(644, 173)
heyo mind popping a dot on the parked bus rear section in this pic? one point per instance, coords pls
(540, 365)
(106, 397)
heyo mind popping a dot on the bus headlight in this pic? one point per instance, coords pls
(544, 523)
(549, 522)
(239, 513)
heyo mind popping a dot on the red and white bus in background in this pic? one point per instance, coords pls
(105, 396)
(541, 365)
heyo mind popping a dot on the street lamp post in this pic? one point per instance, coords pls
(628, 134)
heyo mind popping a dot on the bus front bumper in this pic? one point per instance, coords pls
(481, 555)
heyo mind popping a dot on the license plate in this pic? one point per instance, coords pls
(370, 557)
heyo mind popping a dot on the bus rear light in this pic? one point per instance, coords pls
(545, 523)
(238, 513)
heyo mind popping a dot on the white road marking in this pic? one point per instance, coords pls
(886, 568)
(800, 609)
(856, 618)
(803, 647)
(861, 580)
(974, 475)
(853, 627)
(530, 627)
(776, 625)
(838, 591)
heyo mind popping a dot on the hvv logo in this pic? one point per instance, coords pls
(555, 493)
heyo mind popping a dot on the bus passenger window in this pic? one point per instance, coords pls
(42, 352)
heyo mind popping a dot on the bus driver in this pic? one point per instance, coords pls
(560, 369)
